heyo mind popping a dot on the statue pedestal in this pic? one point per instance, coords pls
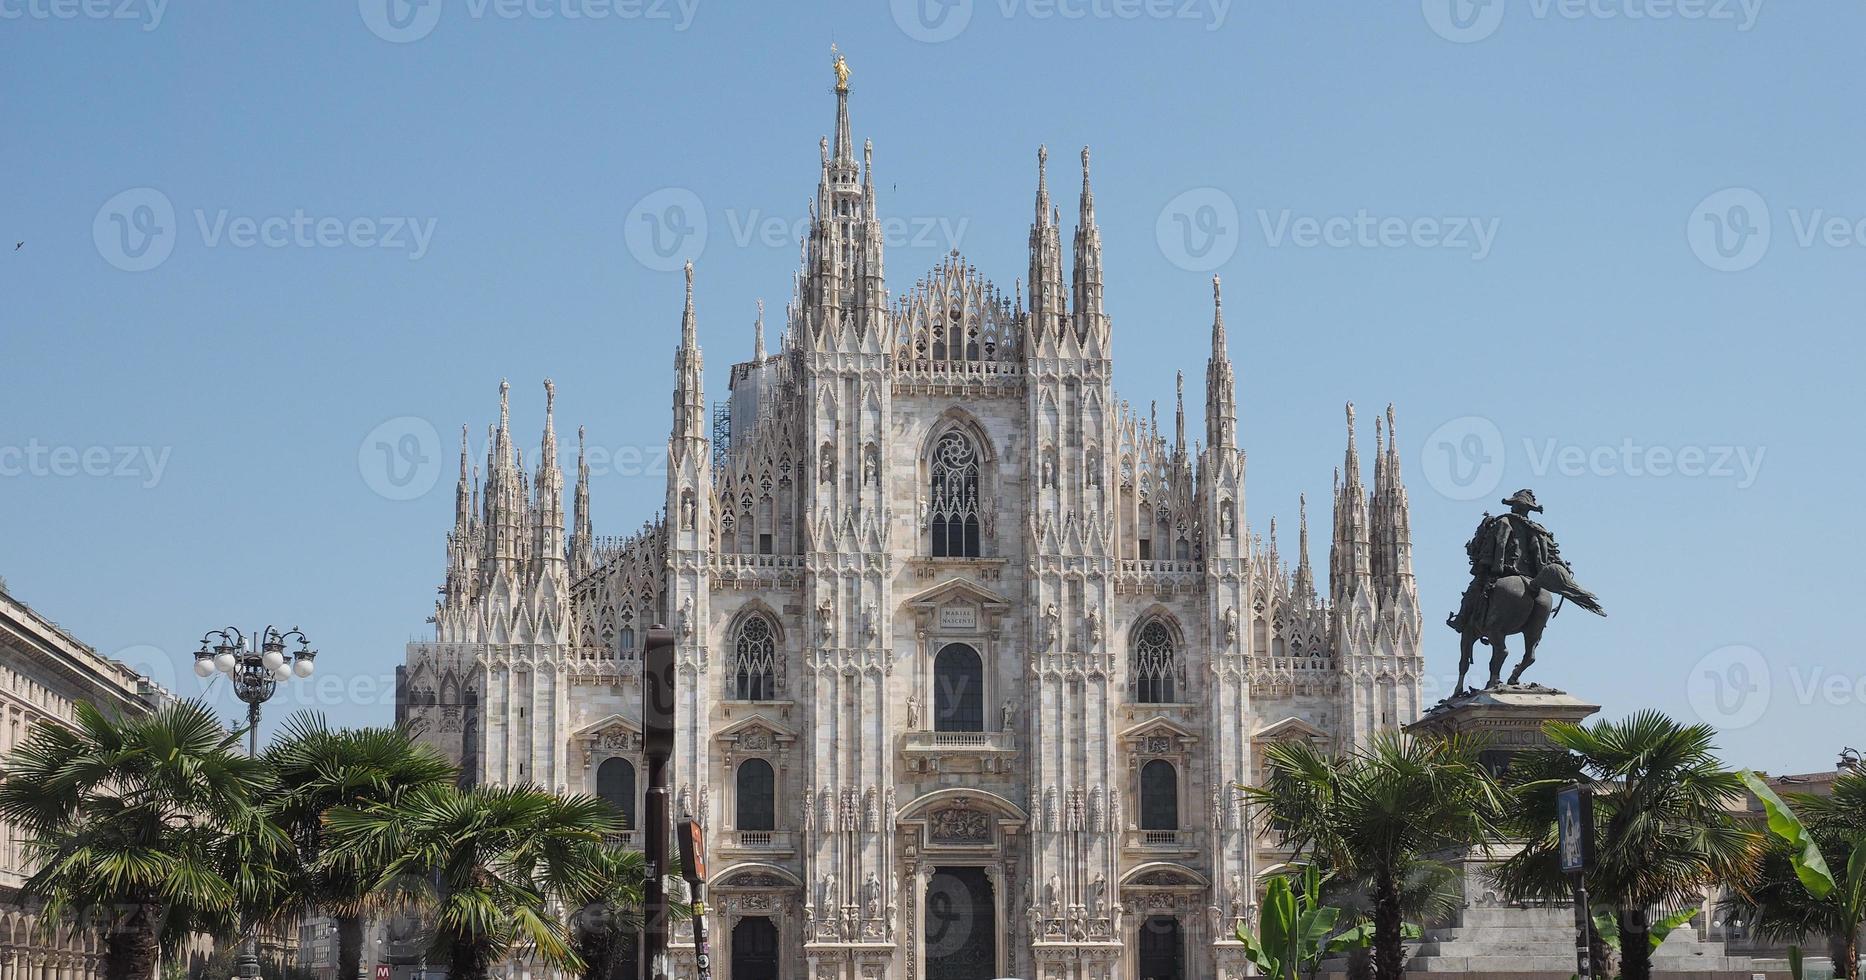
(1508, 718)
(1490, 936)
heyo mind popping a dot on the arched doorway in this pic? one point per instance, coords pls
(1161, 949)
(961, 926)
(754, 949)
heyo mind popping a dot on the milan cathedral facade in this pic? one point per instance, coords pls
(970, 655)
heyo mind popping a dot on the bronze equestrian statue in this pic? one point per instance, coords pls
(1516, 573)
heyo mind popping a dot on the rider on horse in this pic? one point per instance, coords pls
(1504, 545)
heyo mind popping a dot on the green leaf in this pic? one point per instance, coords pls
(1608, 925)
(1659, 930)
(1359, 937)
(1794, 962)
(1279, 923)
(1810, 866)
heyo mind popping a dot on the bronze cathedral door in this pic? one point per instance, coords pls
(961, 926)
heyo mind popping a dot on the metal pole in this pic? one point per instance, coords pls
(1583, 924)
(703, 953)
(249, 947)
(654, 890)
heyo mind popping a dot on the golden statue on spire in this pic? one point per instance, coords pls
(842, 69)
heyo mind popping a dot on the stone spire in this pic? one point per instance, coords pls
(463, 491)
(845, 152)
(758, 335)
(1305, 576)
(1392, 520)
(1046, 260)
(1221, 405)
(689, 397)
(547, 551)
(581, 537)
(1349, 573)
(1090, 320)
(1179, 414)
(505, 495)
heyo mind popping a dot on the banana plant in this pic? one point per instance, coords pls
(1846, 893)
(1607, 925)
(1293, 928)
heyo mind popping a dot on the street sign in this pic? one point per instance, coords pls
(382, 971)
(692, 852)
(1574, 822)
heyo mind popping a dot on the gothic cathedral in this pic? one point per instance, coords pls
(970, 656)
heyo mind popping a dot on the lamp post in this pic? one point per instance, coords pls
(255, 675)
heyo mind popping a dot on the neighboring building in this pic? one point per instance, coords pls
(44, 673)
(970, 654)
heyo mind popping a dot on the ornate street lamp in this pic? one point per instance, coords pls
(255, 675)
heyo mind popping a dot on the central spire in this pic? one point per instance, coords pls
(845, 145)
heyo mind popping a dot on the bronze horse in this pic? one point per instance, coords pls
(1519, 604)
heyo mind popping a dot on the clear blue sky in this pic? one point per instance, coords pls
(1613, 309)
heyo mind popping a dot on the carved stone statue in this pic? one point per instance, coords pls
(1094, 627)
(826, 892)
(1007, 715)
(1052, 625)
(913, 713)
(871, 896)
(1097, 896)
(1517, 573)
(686, 616)
(1231, 625)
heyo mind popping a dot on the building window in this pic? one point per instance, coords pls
(756, 796)
(615, 784)
(958, 690)
(953, 510)
(1156, 664)
(753, 675)
(1159, 796)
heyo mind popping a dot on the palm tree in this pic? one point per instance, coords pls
(1663, 834)
(1379, 813)
(502, 859)
(603, 929)
(146, 827)
(319, 768)
(1780, 902)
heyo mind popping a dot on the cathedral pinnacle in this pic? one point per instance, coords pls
(689, 331)
(758, 335)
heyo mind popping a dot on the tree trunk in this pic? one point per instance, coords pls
(131, 951)
(349, 946)
(1635, 945)
(1389, 947)
(1360, 965)
(468, 961)
(1848, 963)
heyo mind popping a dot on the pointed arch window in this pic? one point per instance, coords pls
(1155, 664)
(753, 673)
(953, 506)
